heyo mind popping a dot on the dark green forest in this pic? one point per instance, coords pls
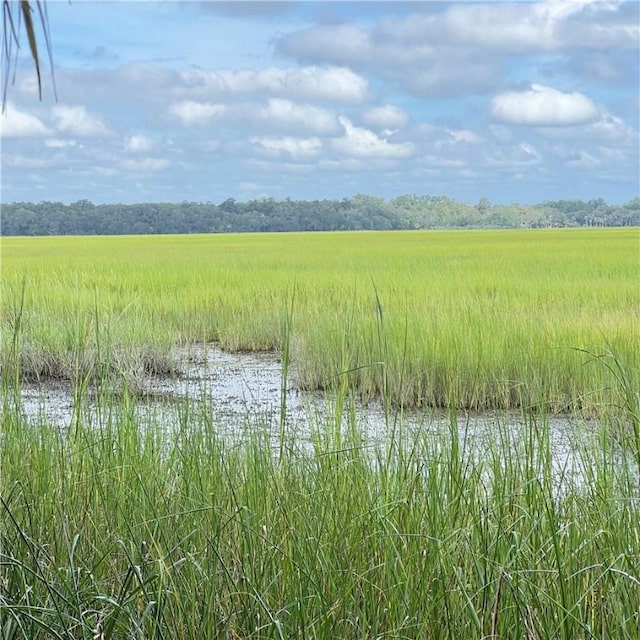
(355, 213)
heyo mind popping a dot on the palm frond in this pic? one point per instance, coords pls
(14, 14)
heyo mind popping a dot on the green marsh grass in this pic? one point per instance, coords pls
(120, 527)
(114, 531)
(480, 319)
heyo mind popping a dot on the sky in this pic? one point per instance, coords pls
(204, 101)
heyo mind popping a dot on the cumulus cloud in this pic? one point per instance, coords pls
(425, 69)
(434, 52)
(138, 143)
(612, 130)
(519, 28)
(386, 116)
(286, 114)
(499, 26)
(366, 66)
(358, 142)
(337, 84)
(596, 24)
(196, 113)
(20, 124)
(542, 106)
(338, 43)
(286, 145)
(607, 67)
(77, 121)
(609, 132)
(514, 29)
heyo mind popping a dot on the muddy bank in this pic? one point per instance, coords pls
(232, 385)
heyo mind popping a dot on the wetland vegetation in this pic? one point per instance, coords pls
(118, 527)
(479, 320)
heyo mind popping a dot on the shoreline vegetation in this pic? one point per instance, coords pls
(123, 526)
(360, 212)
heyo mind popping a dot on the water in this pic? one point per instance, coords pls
(243, 392)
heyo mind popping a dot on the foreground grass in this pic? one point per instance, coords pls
(478, 319)
(115, 531)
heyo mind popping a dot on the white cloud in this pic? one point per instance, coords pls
(363, 143)
(20, 124)
(422, 66)
(281, 114)
(294, 147)
(138, 143)
(333, 83)
(594, 24)
(196, 113)
(78, 121)
(386, 116)
(542, 106)
(290, 115)
(463, 47)
(496, 26)
(609, 141)
(607, 130)
(517, 28)
(612, 130)
(339, 43)
(529, 150)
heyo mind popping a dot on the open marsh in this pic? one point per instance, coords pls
(478, 320)
(150, 510)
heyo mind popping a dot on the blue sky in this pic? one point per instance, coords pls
(203, 101)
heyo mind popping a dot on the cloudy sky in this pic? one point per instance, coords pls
(202, 101)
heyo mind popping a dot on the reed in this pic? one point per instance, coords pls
(112, 530)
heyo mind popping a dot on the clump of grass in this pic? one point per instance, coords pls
(112, 530)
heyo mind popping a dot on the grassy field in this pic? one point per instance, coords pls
(478, 319)
(125, 528)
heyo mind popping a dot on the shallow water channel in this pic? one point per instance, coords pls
(243, 392)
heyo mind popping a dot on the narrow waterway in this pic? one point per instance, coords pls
(243, 392)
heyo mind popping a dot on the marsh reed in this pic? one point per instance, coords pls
(115, 531)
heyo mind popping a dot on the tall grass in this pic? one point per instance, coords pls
(113, 531)
(482, 319)
(124, 528)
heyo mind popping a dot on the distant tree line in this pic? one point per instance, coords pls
(266, 214)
